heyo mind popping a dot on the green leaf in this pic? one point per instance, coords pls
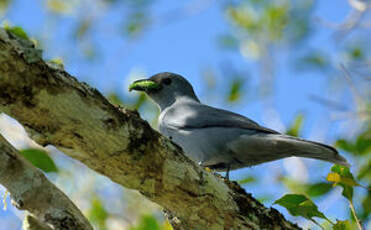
(276, 18)
(40, 159)
(356, 53)
(136, 24)
(345, 145)
(345, 173)
(341, 175)
(294, 186)
(98, 214)
(300, 205)
(348, 192)
(247, 180)
(314, 60)
(365, 171)
(147, 222)
(235, 90)
(82, 28)
(361, 146)
(228, 41)
(17, 30)
(166, 226)
(363, 143)
(139, 101)
(115, 99)
(4, 4)
(243, 18)
(296, 126)
(318, 189)
(342, 225)
(366, 206)
(265, 198)
(59, 6)
(310, 189)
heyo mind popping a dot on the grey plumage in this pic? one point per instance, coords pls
(221, 139)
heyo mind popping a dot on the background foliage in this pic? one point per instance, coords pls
(298, 66)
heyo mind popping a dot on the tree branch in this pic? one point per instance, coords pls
(57, 109)
(32, 223)
(31, 190)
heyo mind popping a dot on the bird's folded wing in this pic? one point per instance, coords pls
(197, 115)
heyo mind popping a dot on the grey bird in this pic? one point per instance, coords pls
(218, 139)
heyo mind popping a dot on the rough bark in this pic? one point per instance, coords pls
(32, 191)
(56, 109)
(32, 223)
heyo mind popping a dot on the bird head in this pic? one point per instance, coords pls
(165, 88)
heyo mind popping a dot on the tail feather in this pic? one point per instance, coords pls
(315, 150)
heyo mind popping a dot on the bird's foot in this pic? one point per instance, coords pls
(227, 173)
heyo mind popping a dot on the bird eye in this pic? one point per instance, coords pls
(167, 81)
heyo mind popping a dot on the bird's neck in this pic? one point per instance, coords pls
(175, 100)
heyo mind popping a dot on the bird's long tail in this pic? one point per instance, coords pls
(311, 149)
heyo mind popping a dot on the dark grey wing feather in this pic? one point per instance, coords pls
(194, 115)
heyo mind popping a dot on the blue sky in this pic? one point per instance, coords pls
(186, 47)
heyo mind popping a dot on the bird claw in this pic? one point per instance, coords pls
(227, 173)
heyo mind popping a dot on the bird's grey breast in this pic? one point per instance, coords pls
(207, 145)
(189, 140)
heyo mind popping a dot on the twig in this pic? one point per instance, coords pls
(316, 223)
(327, 102)
(354, 215)
(356, 94)
(351, 21)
